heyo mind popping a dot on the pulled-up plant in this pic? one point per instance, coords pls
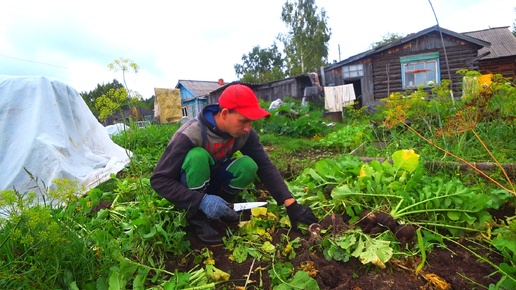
(389, 196)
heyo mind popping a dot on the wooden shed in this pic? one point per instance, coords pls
(290, 87)
(500, 57)
(424, 59)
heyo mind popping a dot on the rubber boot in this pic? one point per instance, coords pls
(199, 225)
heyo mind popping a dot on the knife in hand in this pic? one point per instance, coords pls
(247, 205)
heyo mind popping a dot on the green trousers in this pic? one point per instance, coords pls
(200, 172)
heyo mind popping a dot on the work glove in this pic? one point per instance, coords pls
(215, 207)
(299, 213)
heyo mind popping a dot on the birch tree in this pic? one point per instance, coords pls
(306, 42)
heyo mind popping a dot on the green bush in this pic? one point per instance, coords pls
(294, 120)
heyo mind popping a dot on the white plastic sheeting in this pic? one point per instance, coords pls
(48, 130)
(276, 104)
(117, 129)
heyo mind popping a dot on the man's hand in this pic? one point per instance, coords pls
(215, 207)
(298, 213)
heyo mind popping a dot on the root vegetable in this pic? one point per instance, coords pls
(335, 222)
(375, 222)
(314, 231)
(379, 221)
(386, 220)
(367, 221)
(376, 230)
(404, 233)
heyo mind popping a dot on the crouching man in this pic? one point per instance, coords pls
(197, 172)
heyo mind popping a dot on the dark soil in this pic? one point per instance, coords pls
(449, 267)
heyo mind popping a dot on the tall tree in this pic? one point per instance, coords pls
(261, 65)
(514, 26)
(387, 38)
(306, 43)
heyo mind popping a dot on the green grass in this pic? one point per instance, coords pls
(78, 244)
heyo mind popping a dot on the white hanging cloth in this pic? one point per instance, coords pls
(337, 97)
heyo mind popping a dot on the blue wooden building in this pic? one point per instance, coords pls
(194, 95)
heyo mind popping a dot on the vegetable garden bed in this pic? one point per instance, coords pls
(388, 221)
(449, 264)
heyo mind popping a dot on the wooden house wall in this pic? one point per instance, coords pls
(367, 84)
(293, 87)
(213, 97)
(137, 114)
(333, 77)
(185, 93)
(387, 68)
(506, 66)
(269, 92)
(272, 91)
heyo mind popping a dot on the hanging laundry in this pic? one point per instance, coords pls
(335, 98)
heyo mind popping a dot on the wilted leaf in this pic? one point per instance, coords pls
(372, 251)
(215, 274)
(436, 282)
(287, 250)
(268, 247)
(258, 211)
(239, 254)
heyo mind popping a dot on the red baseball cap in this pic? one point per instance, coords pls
(243, 100)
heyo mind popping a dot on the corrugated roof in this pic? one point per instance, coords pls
(503, 42)
(199, 88)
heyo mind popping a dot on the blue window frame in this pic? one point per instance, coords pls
(420, 70)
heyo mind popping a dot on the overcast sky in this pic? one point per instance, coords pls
(74, 41)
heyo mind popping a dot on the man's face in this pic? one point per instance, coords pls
(235, 123)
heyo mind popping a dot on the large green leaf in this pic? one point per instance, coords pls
(405, 159)
(301, 280)
(374, 251)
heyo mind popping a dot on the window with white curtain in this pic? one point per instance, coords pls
(420, 70)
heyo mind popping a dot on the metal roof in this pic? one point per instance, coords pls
(198, 88)
(503, 42)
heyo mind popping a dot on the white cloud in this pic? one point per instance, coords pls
(200, 40)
